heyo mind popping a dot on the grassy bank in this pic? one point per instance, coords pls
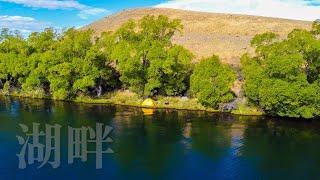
(245, 109)
(131, 99)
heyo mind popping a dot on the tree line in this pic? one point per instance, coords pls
(282, 77)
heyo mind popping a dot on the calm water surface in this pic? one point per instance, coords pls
(167, 144)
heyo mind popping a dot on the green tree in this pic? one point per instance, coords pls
(147, 60)
(76, 63)
(316, 27)
(283, 77)
(211, 82)
(60, 65)
(81, 66)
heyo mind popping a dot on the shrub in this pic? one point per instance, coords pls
(211, 82)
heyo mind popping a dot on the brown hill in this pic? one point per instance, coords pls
(225, 35)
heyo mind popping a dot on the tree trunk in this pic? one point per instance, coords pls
(99, 91)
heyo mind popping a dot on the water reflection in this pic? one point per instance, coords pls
(147, 111)
(167, 144)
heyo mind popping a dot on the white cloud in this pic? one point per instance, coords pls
(84, 10)
(25, 25)
(49, 4)
(290, 9)
(86, 13)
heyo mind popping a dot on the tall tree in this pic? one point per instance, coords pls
(283, 78)
(148, 61)
(211, 82)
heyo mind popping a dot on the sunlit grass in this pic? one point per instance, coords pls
(131, 99)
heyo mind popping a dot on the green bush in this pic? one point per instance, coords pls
(211, 82)
(6, 88)
(60, 94)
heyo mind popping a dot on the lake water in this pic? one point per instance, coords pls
(164, 144)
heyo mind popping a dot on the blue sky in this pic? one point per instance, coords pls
(34, 15)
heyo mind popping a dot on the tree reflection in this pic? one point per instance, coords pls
(274, 146)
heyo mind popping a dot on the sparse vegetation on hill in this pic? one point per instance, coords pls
(225, 35)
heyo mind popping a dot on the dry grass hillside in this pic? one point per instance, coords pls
(225, 35)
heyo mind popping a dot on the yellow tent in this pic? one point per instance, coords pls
(149, 103)
(147, 111)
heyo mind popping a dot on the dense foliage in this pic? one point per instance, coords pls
(211, 82)
(139, 56)
(59, 64)
(283, 78)
(147, 60)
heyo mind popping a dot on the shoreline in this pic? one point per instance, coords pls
(133, 100)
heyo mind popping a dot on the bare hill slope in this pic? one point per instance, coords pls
(225, 35)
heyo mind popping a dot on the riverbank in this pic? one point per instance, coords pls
(131, 99)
